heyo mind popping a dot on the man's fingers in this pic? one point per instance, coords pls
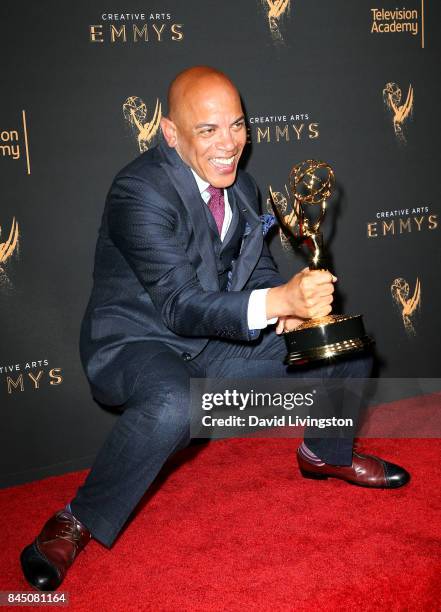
(280, 326)
(309, 291)
(321, 311)
(311, 282)
(325, 290)
(324, 300)
(321, 277)
(314, 295)
(286, 324)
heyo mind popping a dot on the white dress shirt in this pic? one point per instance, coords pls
(256, 313)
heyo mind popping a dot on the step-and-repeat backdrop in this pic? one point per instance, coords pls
(355, 84)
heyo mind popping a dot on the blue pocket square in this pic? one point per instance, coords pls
(266, 220)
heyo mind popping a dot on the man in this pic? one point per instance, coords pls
(184, 286)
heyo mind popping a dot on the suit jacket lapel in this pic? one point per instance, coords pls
(252, 242)
(234, 221)
(184, 183)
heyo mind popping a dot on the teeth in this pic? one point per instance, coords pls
(223, 160)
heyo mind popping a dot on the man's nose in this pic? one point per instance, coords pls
(226, 141)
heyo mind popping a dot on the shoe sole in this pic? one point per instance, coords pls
(314, 476)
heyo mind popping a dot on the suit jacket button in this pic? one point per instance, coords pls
(186, 356)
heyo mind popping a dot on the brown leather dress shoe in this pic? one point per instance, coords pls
(365, 471)
(46, 561)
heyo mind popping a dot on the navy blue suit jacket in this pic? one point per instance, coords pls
(155, 276)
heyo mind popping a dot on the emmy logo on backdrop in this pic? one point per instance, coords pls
(400, 291)
(7, 249)
(135, 114)
(392, 99)
(289, 215)
(276, 9)
(301, 215)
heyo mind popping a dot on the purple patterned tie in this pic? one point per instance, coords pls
(216, 205)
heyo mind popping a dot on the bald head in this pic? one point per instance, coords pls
(205, 123)
(189, 85)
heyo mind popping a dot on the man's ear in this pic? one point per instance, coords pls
(169, 131)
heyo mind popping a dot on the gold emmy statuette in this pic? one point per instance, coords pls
(310, 186)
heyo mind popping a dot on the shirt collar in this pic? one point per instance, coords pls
(202, 185)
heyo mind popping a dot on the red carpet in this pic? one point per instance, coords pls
(235, 527)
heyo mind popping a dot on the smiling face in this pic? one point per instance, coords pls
(206, 125)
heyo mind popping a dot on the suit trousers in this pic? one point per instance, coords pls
(155, 421)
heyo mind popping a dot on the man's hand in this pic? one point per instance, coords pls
(306, 295)
(287, 324)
